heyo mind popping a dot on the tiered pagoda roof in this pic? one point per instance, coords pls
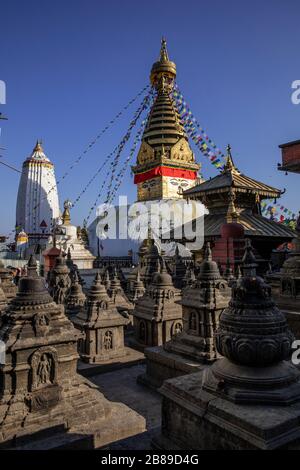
(233, 192)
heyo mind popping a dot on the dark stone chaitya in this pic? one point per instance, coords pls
(138, 288)
(102, 326)
(179, 270)
(40, 390)
(59, 280)
(251, 397)
(193, 348)
(157, 316)
(75, 298)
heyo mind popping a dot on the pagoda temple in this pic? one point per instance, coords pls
(232, 197)
(165, 162)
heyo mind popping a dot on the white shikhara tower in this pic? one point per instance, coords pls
(37, 206)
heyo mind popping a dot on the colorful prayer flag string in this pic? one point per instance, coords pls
(201, 139)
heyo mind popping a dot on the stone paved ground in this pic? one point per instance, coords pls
(121, 386)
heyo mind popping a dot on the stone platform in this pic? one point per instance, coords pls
(162, 365)
(84, 419)
(195, 419)
(131, 358)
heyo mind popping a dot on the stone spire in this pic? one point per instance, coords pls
(138, 287)
(59, 280)
(150, 261)
(179, 269)
(102, 324)
(157, 313)
(8, 287)
(189, 277)
(202, 305)
(106, 280)
(118, 295)
(254, 338)
(75, 298)
(96, 297)
(228, 274)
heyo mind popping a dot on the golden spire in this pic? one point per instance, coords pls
(66, 216)
(163, 72)
(229, 165)
(232, 214)
(164, 56)
(38, 146)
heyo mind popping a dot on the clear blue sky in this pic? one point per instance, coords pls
(69, 66)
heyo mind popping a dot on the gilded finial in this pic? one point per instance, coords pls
(229, 165)
(66, 216)
(38, 146)
(232, 214)
(164, 57)
(163, 71)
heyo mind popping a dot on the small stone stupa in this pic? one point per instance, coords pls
(9, 288)
(249, 399)
(59, 281)
(193, 348)
(75, 298)
(102, 326)
(138, 288)
(119, 297)
(179, 270)
(44, 403)
(68, 236)
(157, 316)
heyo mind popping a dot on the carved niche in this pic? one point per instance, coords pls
(108, 340)
(181, 151)
(43, 368)
(45, 391)
(176, 328)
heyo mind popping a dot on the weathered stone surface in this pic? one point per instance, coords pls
(189, 350)
(195, 419)
(59, 280)
(157, 315)
(250, 399)
(40, 390)
(102, 326)
(75, 298)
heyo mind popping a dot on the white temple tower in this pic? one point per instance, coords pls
(37, 206)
